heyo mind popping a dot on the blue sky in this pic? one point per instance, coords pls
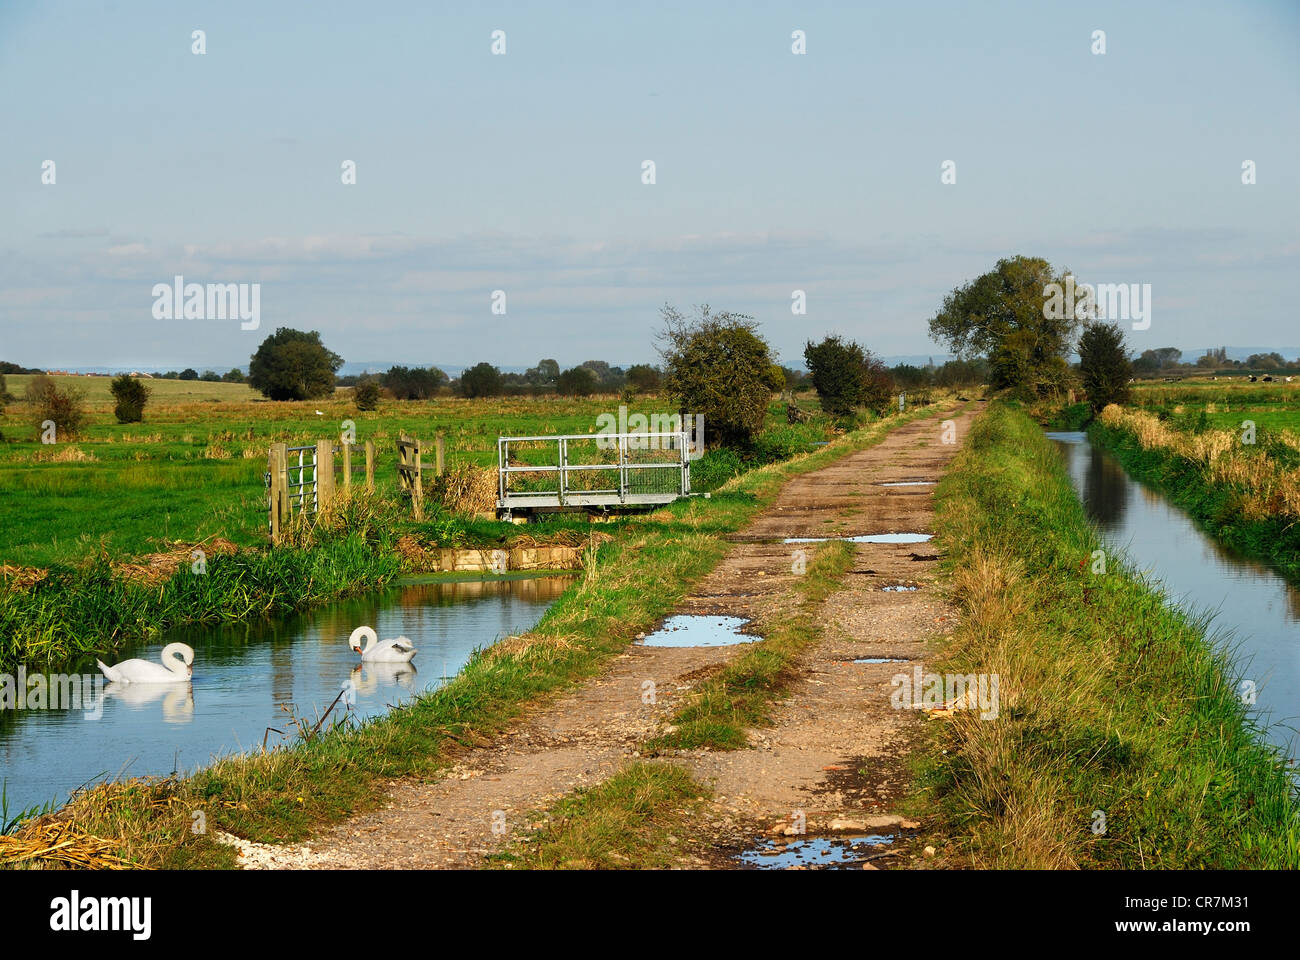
(522, 172)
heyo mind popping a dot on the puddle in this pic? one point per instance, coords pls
(695, 630)
(881, 660)
(899, 589)
(814, 852)
(908, 483)
(867, 538)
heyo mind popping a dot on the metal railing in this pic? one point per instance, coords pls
(584, 471)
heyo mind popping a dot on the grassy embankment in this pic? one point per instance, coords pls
(1111, 700)
(74, 515)
(628, 584)
(1245, 494)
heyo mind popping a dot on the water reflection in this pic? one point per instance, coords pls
(1253, 609)
(176, 699)
(1105, 492)
(253, 677)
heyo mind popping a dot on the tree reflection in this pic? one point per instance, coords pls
(1105, 488)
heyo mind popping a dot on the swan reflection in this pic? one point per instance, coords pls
(369, 677)
(177, 698)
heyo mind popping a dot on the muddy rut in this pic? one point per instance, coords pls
(833, 750)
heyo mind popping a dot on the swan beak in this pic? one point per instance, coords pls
(356, 649)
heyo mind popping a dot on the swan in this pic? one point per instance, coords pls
(396, 650)
(171, 670)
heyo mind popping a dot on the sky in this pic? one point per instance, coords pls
(522, 172)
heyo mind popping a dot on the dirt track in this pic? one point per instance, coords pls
(832, 750)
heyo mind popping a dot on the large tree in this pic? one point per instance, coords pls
(293, 365)
(1104, 363)
(1002, 315)
(717, 365)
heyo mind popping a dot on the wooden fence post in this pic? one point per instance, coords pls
(324, 474)
(278, 466)
(347, 466)
(418, 498)
(441, 454)
(408, 472)
(370, 466)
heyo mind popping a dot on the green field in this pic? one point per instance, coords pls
(195, 467)
(1225, 403)
(95, 389)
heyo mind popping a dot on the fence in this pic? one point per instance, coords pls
(301, 480)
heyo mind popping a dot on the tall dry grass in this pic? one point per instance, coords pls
(1269, 488)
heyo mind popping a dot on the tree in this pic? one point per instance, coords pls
(1265, 361)
(910, 377)
(716, 365)
(578, 382)
(234, 376)
(1104, 363)
(9, 367)
(189, 373)
(1167, 356)
(1005, 316)
(419, 383)
(481, 380)
(130, 395)
(962, 373)
(293, 365)
(210, 376)
(544, 374)
(366, 394)
(846, 376)
(643, 378)
(64, 408)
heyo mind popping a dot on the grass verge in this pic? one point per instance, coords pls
(1111, 700)
(640, 818)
